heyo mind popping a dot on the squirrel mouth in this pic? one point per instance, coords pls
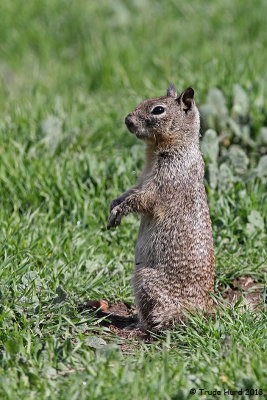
(131, 128)
(134, 131)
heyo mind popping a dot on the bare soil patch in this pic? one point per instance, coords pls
(121, 320)
(246, 287)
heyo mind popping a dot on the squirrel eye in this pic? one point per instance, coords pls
(158, 110)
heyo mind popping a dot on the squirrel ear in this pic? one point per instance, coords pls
(186, 99)
(171, 91)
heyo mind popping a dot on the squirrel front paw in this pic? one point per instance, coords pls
(115, 203)
(115, 217)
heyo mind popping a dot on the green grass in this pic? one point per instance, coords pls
(69, 73)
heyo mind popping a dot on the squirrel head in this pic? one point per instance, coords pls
(166, 120)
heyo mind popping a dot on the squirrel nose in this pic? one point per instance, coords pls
(128, 121)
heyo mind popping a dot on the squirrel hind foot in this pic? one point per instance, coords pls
(166, 319)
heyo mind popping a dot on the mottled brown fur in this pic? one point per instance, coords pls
(174, 252)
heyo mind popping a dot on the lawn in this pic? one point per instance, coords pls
(70, 71)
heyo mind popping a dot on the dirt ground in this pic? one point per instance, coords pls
(121, 318)
(252, 293)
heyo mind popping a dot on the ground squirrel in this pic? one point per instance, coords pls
(174, 257)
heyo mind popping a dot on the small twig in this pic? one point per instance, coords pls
(67, 371)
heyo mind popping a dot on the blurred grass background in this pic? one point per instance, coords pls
(69, 73)
(71, 47)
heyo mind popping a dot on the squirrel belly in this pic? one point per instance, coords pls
(174, 263)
